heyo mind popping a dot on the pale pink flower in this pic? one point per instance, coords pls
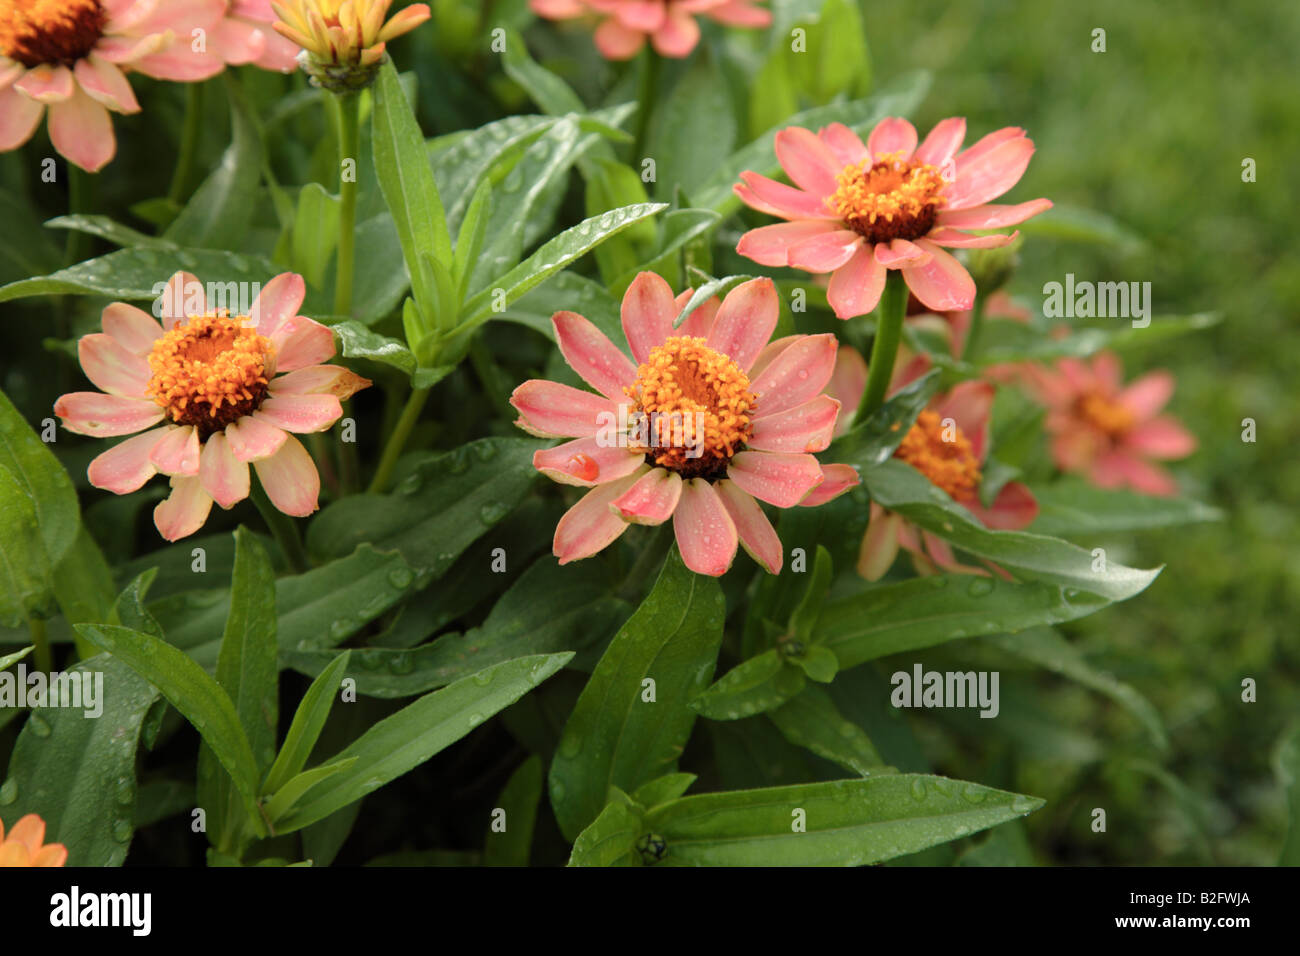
(703, 420)
(669, 25)
(216, 393)
(245, 36)
(1107, 431)
(72, 56)
(858, 210)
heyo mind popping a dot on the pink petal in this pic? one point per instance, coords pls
(837, 479)
(990, 173)
(592, 355)
(698, 323)
(135, 330)
(19, 117)
(777, 199)
(290, 479)
(1014, 508)
(678, 36)
(177, 452)
(1162, 437)
(892, 135)
(941, 553)
(900, 253)
(990, 216)
(111, 367)
(617, 42)
(586, 462)
(807, 161)
(180, 64)
(880, 543)
(105, 83)
(825, 252)
(771, 245)
(942, 142)
(82, 131)
(93, 413)
(300, 342)
(47, 84)
(125, 467)
(847, 383)
(184, 510)
(182, 297)
(1148, 394)
(986, 143)
(334, 380)
(553, 410)
(845, 144)
(237, 41)
(856, 286)
(770, 351)
(953, 239)
(252, 440)
(1117, 468)
(706, 535)
(643, 15)
(278, 302)
(756, 533)
(942, 284)
(805, 428)
(647, 312)
(780, 479)
(795, 376)
(590, 526)
(1107, 371)
(970, 405)
(652, 499)
(300, 413)
(745, 321)
(222, 475)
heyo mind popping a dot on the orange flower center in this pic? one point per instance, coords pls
(892, 198)
(943, 454)
(1105, 414)
(57, 32)
(696, 402)
(210, 371)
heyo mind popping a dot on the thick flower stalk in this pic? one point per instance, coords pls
(25, 845)
(72, 56)
(703, 420)
(343, 41)
(1111, 433)
(858, 210)
(216, 393)
(670, 26)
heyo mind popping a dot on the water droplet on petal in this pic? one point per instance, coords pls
(583, 466)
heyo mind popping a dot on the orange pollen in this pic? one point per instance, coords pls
(697, 404)
(209, 371)
(892, 198)
(54, 32)
(949, 464)
(1105, 414)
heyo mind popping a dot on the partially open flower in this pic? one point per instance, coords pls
(245, 36)
(25, 845)
(224, 391)
(669, 25)
(343, 41)
(710, 417)
(857, 210)
(1105, 430)
(73, 55)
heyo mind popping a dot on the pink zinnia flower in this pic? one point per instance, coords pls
(224, 391)
(711, 417)
(1105, 430)
(858, 210)
(72, 56)
(245, 36)
(668, 24)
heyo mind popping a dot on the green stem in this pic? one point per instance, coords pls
(349, 469)
(282, 528)
(348, 124)
(649, 82)
(80, 201)
(976, 326)
(889, 330)
(397, 440)
(189, 147)
(41, 657)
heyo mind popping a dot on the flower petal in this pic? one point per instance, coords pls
(223, 476)
(1014, 508)
(706, 535)
(880, 544)
(586, 462)
(111, 367)
(82, 131)
(805, 428)
(299, 342)
(47, 84)
(942, 142)
(970, 405)
(647, 313)
(795, 376)
(303, 414)
(334, 380)
(755, 532)
(807, 161)
(1118, 468)
(856, 286)
(652, 499)
(278, 302)
(745, 321)
(698, 323)
(105, 83)
(135, 330)
(991, 216)
(252, 440)
(1148, 394)
(846, 145)
(290, 479)
(561, 411)
(590, 525)
(1162, 437)
(678, 35)
(900, 253)
(19, 117)
(771, 245)
(780, 479)
(29, 831)
(177, 452)
(94, 413)
(777, 199)
(825, 252)
(847, 383)
(125, 467)
(184, 511)
(837, 480)
(182, 296)
(989, 173)
(592, 355)
(892, 135)
(942, 284)
(953, 239)
(617, 42)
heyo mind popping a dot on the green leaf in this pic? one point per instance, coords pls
(83, 582)
(8, 660)
(315, 233)
(811, 720)
(898, 487)
(615, 737)
(872, 442)
(78, 773)
(611, 838)
(663, 789)
(1006, 341)
(415, 733)
(308, 721)
(547, 90)
(818, 662)
(470, 238)
(1076, 224)
(1072, 507)
(758, 684)
(694, 129)
(1286, 765)
(518, 802)
(358, 341)
(109, 230)
(804, 618)
(848, 822)
(437, 511)
(702, 294)
(287, 796)
(199, 698)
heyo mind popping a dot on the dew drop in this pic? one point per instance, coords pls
(401, 664)
(1022, 804)
(485, 451)
(483, 678)
(340, 629)
(570, 746)
(39, 725)
(980, 587)
(122, 830)
(8, 792)
(400, 578)
(125, 791)
(918, 789)
(491, 514)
